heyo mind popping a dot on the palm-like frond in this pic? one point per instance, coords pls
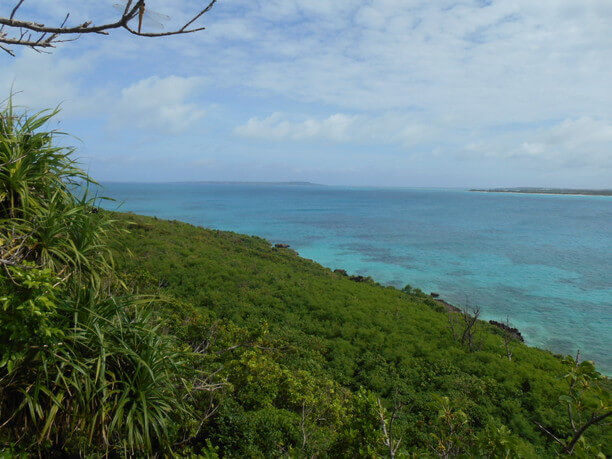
(79, 369)
(30, 165)
(41, 217)
(112, 382)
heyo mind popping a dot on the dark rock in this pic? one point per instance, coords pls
(512, 331)
(342, 272)
(360, 279)
(434, 295)
(282, 246)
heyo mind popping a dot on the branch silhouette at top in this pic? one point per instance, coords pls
(40, 37)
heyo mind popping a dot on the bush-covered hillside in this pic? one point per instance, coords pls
(393, 345)
(126, 336)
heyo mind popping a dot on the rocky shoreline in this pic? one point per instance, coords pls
(449, 307)
(513, 332)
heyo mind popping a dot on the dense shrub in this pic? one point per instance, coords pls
(79, 370)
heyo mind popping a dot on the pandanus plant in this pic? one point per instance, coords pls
(80, 370)
(42, 219)
(31, 167)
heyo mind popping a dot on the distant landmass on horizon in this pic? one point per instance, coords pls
(547, 191)
(232, 182)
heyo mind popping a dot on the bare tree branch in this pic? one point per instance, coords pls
(387, 428)
(16, 32)
(569, 449)
(550, 434)
(465, 320)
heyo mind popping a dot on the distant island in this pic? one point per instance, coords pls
(537, 190)
(257, 183)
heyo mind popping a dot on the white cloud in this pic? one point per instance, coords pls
(46, 81)
(274, 127)
(164, 104)
(339, 127)
(581, 142)
(452, 78)
(584, 140)
(464, 64)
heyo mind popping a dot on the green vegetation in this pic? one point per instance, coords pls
(81, 369)
(126, 335)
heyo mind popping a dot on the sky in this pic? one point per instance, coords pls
(473, 93)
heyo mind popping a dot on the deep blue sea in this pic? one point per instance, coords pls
(543, 261)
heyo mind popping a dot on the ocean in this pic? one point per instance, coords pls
(544, 262)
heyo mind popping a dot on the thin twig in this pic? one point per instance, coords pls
(17, 6)
(50, 35)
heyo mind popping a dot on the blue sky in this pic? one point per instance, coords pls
(379, 92)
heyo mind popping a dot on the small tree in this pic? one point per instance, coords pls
(463, 327)
(588, 402)
(451, 430)
(386, 424)
(508, 339)
(454, 436)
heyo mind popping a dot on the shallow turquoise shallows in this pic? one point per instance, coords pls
(543, 261)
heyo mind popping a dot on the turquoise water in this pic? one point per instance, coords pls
(542, 261)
